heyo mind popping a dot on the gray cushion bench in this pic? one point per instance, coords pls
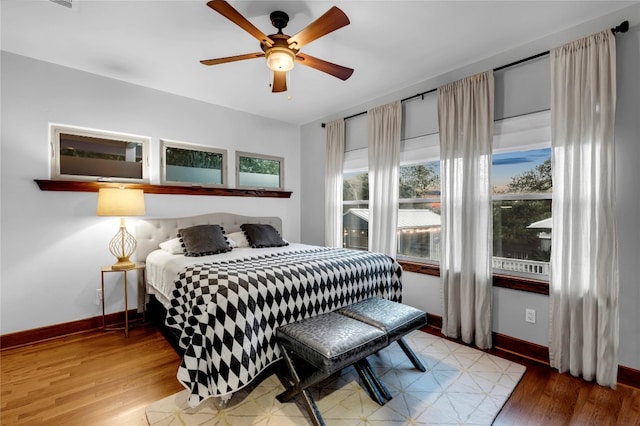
(317, 347)
(394, 318)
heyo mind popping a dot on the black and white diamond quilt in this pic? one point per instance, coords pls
(227, 311)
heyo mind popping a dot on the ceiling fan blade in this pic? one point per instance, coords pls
(226, 10)
(332, 20)
(335, 70)
(279, 81)
(231, 58)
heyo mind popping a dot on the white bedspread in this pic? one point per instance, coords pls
(163, 267)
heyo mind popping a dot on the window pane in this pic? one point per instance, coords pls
(355, 186)
(87, 154)
(355, 222)
(260, 172)
(522, 212)
(522, 236)
(419, 214)
(420, 180)
(518, 172)
(419, 230)
(193, 166)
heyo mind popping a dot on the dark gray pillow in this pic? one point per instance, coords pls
(260, 235)
(203, 240)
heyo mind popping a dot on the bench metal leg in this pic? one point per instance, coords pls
(312, 408)
(370, 383)
(307, 399)
(376, 380)
(411, 355)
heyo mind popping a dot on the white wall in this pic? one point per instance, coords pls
(52, 243)
(424, 291)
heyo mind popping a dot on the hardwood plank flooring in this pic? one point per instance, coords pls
(93, 378)
(103, 378)
(546, 397)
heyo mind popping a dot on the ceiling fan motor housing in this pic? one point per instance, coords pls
(279, 20)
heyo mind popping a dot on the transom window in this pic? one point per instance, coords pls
(259, 171)
(185, 164)
(88, 154)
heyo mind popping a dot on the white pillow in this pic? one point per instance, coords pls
(238, 240)
(173, 246)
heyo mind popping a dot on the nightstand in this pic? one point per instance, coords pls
(107, 269)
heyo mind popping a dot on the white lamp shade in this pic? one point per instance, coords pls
(280, 59)
(120, 202)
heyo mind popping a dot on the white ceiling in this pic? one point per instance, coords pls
(390, 44)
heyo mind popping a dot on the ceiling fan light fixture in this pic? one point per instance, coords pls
(280, 59)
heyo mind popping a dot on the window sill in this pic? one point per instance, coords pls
(80, 186)
(499, 280)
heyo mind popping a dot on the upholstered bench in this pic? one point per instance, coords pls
(395, 319)
(317, 347)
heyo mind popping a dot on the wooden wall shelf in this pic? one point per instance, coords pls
(80, 186)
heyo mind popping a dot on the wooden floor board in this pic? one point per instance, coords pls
(104, 378)
(90, 378)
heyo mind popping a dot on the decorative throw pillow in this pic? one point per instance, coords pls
(260, 235)
(173, 246)
(203, 240)
(238, 240)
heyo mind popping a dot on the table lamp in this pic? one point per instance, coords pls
(121, 202)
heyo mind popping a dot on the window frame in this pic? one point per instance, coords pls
(167, 143)
(498, 280)
(56, 130)
(280, 160)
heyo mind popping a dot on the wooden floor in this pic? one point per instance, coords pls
(546, 397)
(103, 378)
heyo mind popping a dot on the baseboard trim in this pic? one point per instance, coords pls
(28, 337)
(629, 376)
(626, 375)
(521, 347)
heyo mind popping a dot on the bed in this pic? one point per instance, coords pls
(225, 307)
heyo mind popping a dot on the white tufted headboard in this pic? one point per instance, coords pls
(151, 232)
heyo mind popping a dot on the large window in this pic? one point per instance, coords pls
(521, 174)
(522, 212)
(419, 213)
(418, 233)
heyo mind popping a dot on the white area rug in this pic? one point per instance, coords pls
(462, 386)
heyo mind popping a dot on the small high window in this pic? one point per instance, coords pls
(184, 164)
(259, 171)
(88, 154)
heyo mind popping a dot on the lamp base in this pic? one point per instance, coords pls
(123, 264)
(122, 246)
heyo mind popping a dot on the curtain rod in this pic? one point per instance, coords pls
(622, 28)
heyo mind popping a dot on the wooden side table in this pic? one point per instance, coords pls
(107, 269)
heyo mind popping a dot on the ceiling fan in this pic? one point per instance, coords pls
(282, 50)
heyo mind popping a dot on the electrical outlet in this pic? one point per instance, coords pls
(530, 315)
(98, 299)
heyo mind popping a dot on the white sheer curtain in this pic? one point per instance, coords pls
(584, 255)
(465, 117)
(384, 163)
(333, 183)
